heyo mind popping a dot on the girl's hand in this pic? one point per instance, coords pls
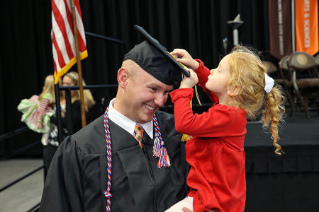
(39, 125)
(189, 82)
(182, 56)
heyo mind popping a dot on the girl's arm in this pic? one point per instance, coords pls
(43, 104)
(218, 121)
(202, 73)
(182, 56)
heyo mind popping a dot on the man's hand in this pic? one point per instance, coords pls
(182, 56)
(187, 210)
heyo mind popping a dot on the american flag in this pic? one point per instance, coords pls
(63, 43)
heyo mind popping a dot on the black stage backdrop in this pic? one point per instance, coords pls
(26, 52)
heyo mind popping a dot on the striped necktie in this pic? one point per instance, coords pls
(139, 134)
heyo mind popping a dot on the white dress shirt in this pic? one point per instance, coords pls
(126, 123)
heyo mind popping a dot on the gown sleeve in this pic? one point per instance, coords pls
(63, 188)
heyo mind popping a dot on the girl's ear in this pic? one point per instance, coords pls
(233, 90)
(122, 77)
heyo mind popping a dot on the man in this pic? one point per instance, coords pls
(110, 165)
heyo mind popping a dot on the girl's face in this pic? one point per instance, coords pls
(67, 81)
(219, 77)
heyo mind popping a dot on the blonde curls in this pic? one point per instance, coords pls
(248, 76)
(274, 114)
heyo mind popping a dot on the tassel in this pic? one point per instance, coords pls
(186, 137)
(157, 146)
(159, 149)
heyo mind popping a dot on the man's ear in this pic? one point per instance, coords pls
(233, 90)
(122, 77)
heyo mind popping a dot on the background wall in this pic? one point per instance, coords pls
(197, 26)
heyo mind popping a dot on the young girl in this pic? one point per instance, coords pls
(239, 87)
(37, 110)
(70, 79)
(50, 147)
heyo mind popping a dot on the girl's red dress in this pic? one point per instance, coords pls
(216, 154)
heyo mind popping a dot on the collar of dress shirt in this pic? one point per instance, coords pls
(126, 123)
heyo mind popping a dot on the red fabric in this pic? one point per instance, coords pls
(216, 154)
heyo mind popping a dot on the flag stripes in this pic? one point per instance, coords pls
(63, 41)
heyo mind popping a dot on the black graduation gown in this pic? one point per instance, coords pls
(77, 176)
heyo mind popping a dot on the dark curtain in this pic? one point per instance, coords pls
(197, 26)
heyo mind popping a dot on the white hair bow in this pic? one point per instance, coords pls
(269, 83)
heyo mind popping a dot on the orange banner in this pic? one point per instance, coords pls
(306, 22)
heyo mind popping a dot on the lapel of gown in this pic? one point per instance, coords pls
(130, 172)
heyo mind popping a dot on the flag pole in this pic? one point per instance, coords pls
(78, 62)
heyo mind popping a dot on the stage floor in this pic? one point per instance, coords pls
(283, 183)
(297, 130)
(24, 195)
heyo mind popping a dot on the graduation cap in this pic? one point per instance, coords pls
(153, 58)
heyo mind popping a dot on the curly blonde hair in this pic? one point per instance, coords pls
(88, 98)
(248, 75)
